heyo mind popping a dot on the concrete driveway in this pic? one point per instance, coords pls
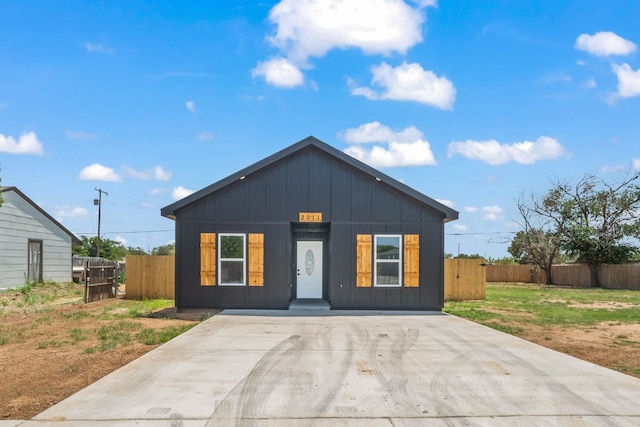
(243, 368)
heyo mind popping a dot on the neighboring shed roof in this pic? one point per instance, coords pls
(449, 214)
(74, 239)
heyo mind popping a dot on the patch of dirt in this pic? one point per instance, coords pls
(615, 346)
(50, 351)
(597, 305)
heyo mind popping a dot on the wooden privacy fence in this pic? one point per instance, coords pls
(150, 277)
(625, 276)
(100, 279)
(153, 277)
(464, 279)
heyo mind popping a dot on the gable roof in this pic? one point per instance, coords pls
(449, 214)
(74, 239)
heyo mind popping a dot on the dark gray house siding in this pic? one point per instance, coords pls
(268, 197)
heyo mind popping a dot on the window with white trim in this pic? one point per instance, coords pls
(232, 259)
(387, 256)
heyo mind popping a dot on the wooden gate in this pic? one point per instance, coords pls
(101, 280)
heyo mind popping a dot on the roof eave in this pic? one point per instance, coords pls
(449, 214)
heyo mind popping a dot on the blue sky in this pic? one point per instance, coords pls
(472, 103)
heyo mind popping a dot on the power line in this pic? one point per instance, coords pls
(481, 233)
(127, 232)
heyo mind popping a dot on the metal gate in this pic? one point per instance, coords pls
(101, 279)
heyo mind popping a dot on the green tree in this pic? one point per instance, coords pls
(109, 249)
(135, 251)
(468, 256)
(594, 221)
(537, 246)
(169, 249)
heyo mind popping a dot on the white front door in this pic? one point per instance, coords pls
(309, 269)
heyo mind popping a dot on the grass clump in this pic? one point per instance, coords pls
(150, 336)
(78, 334)
(117, 333)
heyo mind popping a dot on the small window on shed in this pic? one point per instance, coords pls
(232, 259)
(388, 259)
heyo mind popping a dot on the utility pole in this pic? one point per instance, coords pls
(98, 202)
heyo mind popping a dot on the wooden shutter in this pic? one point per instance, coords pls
(412, 260)
(208, 259)
(363, 261)
(256, 259)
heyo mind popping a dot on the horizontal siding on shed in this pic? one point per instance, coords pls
(19, 222)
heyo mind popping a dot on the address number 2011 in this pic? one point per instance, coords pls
(310, 217)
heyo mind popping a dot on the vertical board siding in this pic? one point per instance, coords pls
(256, 259)
(412, 260)
(208, 259)
(150, 277)
(363, 262)
(464, 279)
(270, 199)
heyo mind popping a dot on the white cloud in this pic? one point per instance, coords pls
(635, 163)
(604, 43)
(397, 154)
(612, 168)
(377, 132)
(590, 84)
(78, 134)
(409, 82)
(492, 213)
(628, 81)
(98, 172)
(61, 212)
(158, 173)
(446, 202)
(495, 153)
(97, 48)
(404, 148)
(279, 72)
(180, 192)
(156, 191)
(460, 227)
(311, 28)
(470, 209)
(27, 144)
(120, 240)
(191, 106)
(205, 136)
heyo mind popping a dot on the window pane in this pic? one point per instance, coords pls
(388, 247)
(232, 247)
(388, 273)
(231, 272)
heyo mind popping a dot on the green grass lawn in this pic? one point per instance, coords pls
(509, 305)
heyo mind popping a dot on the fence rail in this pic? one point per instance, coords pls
(625, 276)
(154, 277)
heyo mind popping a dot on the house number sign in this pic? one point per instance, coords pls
(310, 217)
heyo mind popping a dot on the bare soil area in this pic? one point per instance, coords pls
(613, 346)
(50, 351)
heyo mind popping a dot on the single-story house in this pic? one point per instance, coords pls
(309, 222)
(33, 245)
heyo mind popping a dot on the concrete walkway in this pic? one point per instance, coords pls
(351, 368)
